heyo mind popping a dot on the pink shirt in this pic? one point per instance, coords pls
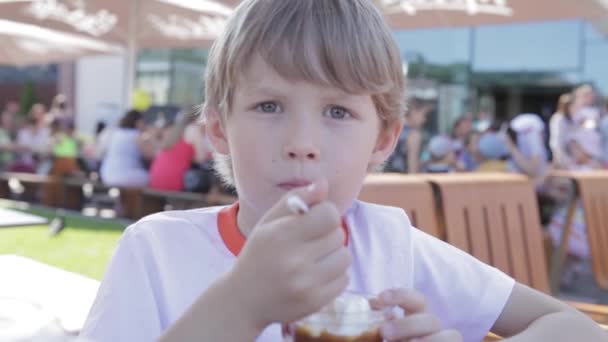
(169, 166)
(165, 261)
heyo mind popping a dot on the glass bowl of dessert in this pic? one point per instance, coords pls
(349, 318)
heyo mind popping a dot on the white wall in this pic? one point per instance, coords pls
(100, 84)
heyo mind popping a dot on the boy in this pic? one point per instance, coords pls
(303, 98)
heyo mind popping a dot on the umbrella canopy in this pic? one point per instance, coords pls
(133, 24)
(411, 14)
(192, 23)
(415, 14)
(142, 23)
(24, 44)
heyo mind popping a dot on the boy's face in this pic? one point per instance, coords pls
(282, 134)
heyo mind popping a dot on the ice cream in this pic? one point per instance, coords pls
(348, 319)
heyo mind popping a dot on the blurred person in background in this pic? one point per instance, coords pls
(407, 155)
(102, 141)
(560, 125)
(525, 140)
(10, 119)
(33, 142)
(175, 156)
(584, 108)
(59, 110)
(462, 128)
(6, 147)
(603, 129)
(90, 154)
(151, 138)
(442, 156)
(122, 163)
(493, 153)
(201, 177)
(65, 148)
(40, 114)
(584, 149)
(470, 157)
(483, 121)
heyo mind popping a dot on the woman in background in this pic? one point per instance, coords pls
(122, 164)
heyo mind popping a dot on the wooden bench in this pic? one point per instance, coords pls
(591, 188)
(152, 201)
(495, 218)
(411, 193)
(132, 202)
(76, 192)
(31, 187)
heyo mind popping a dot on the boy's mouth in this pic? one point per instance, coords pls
(294, 183)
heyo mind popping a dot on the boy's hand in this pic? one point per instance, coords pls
(417, 325)
(292, 265)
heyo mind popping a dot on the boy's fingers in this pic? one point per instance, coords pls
(310, 196)
(321, 248)
(335, 265)
(321, 221)
(414, 326)
(408, 299)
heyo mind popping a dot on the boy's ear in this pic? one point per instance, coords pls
(215, 131)
(385, 145)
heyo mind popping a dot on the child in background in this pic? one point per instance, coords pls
(65, 148)
(584, 149)
(303, 99)
(494, 153)
(470, 156)
(443, 156)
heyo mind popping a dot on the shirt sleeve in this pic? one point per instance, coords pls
(125, 308)
(466, 294)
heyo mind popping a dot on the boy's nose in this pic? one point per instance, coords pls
(302, 152)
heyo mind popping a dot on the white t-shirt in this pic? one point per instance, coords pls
(165, 261)
(36, 139)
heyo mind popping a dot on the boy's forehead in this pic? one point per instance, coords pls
(261, 76)
(257, 71)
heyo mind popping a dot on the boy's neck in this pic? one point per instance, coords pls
(246, 219)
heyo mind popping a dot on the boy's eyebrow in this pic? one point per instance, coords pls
(264, 90)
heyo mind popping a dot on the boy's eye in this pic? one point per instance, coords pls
(339, 113)
(268, 107)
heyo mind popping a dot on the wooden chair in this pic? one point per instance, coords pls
(495, 218)
(411, 193)
(591, 188)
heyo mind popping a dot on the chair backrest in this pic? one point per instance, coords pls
(495, 218)
(411, 193)
(593, 192)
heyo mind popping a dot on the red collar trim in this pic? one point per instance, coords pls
(232, 236)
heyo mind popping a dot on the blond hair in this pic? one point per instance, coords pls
(344, 44)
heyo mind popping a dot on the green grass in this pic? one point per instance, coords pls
(84, 247)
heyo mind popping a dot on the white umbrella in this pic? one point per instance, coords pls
(133, 24)
(415, 14)
(24, 44)
(191, 23)
(150, 23)
(410, 14)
